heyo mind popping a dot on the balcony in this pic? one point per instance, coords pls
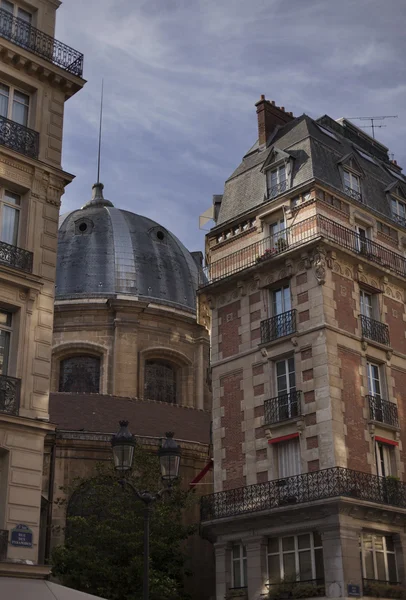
(354, 194)
(12, 256)
(308, 487)
(24, 35)
(316, 227)
(275, 190)
(374, 330)
(19, 138)
(383, 411)
(283, 408)
(312, 588)
(278, 326)
(9, 395)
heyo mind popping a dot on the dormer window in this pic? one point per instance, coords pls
(352, 185)
(277, 181)
(399, 211)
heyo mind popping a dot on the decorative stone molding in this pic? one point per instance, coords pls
(389, 354)
(319, 264)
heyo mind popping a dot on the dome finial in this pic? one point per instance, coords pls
(97, 197)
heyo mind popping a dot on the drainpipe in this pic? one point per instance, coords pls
(50, 499)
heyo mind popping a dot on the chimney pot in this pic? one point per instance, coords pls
(262, 96)
(273, 102)
(282, 108)
(270, 117)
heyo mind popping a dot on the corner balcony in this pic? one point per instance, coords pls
(283, 408)
(334, 482)
(24, 35)
(9, 395)
(15, 257)
(383, 411)
(278, 326)
(19, 138)
(374, 330)
(316, 227)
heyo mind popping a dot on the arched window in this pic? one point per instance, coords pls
(160, 381)
(80, 374)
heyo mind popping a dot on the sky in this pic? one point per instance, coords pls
(181, 78)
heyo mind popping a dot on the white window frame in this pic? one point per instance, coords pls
(16, 11)
(374, 369)
(274, 181)
(368, 304)
(398, 209)
(288, 372)
(374, 551)
(11, 91)
(362, 241)
(286, 301)
(296, 552)
(241, 562)
(385, 459)
(7, 328)
(352, 181)
(17, 207)
(294, 462)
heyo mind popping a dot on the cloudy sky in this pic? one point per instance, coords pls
(182, 77)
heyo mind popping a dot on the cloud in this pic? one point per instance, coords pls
(182, 78)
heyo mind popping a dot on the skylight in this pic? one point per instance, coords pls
(328, 132)
(366, 156)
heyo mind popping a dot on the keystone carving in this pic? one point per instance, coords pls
(319, 264)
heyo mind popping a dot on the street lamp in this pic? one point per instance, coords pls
(123, 444)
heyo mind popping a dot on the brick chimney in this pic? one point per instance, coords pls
(269, 116)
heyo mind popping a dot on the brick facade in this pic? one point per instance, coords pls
(231, 421)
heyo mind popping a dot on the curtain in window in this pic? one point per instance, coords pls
(20, 108)
(4, 95)
(9, 225)
(80, 374)
(289, 458)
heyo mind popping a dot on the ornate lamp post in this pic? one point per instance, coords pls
(123, 444)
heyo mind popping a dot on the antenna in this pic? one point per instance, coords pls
(100, 132)
(372, 119)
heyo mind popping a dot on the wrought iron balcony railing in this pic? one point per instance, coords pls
(277, 189)
(3, 544)
(309, 588)
(399, 219)
(374, 330)
(19, 138)
(24, 35)
(313, 228)
(9, 395)
(383, 411)
(12, 256)
(308, 487)
(278, 326)
(282, 408)
(353, 193)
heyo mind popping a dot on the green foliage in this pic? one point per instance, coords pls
(103, 550)
(384, 590)
(296, 589)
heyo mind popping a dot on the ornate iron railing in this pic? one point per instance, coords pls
(374, 330)
(399, 219)
(296, 589)
(9, 395)
(24, 35)
(19, 138)
(13, 256)
(282, 408)
(3, 544)
(383, 411)
(278, 326)
(308, 487)
(316, 227)
(277, 189)
(353, 193)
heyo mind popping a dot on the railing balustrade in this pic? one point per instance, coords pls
(19, 138)
(28, 37)
(12, 256)
(383, 411)
(295, 236)
(375, 330)
(307, 487)
(282, 408)
(278, 326)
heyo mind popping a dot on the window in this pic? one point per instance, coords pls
(288, 458)
(16, 11)
(281, 301)
(352, 185)
(9, 217)
(367, 302)
(327, 132)
(14, 105)
(295, 558)
(80, 374)
(374, 380)
(5, 334)
(160, 381)
(399, 211)
(277, 181)
(285, 376)
(378, 557)
(239, 565)
(385, 460)
(363, 240)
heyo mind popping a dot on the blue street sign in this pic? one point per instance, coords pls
(21, 535)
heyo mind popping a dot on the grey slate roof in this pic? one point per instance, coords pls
(316, 155)
(120, 252)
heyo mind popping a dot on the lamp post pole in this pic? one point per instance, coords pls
(123, 444)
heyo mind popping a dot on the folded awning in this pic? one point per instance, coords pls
(15, 588)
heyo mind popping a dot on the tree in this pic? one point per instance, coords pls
(103, 549)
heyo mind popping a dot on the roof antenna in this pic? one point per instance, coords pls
(373, 119)
(100, 132)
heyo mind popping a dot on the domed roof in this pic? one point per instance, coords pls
(104, 251)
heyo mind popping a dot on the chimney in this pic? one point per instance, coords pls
(269, 116)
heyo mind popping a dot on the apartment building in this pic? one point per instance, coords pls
(305, 280)
(37, 75)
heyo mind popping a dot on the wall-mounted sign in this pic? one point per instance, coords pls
(353, 590)
(21, 535)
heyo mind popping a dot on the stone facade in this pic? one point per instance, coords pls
(305, 374)
(32, 182)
